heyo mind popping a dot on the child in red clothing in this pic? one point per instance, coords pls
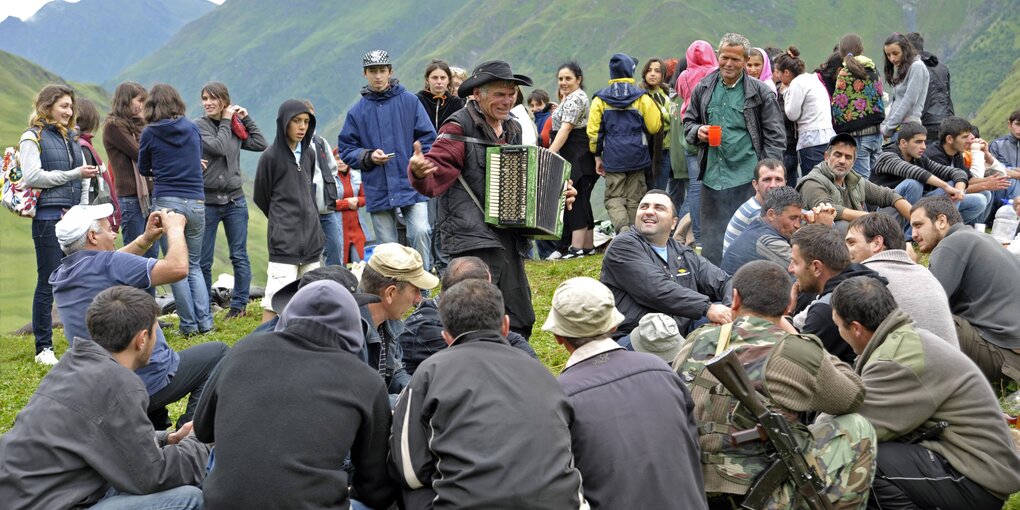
(352, 196)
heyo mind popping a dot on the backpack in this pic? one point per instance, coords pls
(18, 199)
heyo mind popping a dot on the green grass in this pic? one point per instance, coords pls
(19, 374)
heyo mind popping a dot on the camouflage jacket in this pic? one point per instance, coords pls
(791, 373)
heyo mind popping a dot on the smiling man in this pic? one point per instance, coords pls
(752, 130)
(834, 181)
(650, 272)
(455, 169)
(768, 237)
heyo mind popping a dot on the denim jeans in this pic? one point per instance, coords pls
(793, 169)
(133, 223)
(47, 259)
(660, 178)
(234, 216)
(693, 202)
(971, 208)
(418, 231)
(811, 156)
(184, 497)
(868, 149)
(191, 296)
(998, 198)
(330, 223)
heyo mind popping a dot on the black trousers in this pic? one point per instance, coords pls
(197, 364)
(910, 476)
(717, 207)
(507, 268)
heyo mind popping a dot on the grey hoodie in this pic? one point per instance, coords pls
(331, 305)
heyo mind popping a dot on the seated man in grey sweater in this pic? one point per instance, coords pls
(942, 440)
(84, 439)
(876, 241)
(981, 280)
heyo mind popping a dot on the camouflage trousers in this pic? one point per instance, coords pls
(842, 452)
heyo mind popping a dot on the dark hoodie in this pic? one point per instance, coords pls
(938, 104)
(285, 407)
(620, 94)
(620, 131)
(819, 313)
(284, 193)
(171, 152)
(439, 108)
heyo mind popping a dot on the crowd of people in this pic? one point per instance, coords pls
(806, 193)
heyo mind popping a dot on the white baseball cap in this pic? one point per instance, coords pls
(78, 219)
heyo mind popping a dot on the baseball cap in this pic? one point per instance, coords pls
(401, 263)
(582, 307)
(338, 274)
(376, 58)
(846, 138)
(78, 219)
(658, 334)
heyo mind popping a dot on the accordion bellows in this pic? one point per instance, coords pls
(524, 190)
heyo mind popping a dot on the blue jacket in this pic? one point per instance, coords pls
(391, 120)
(171, 152)
(759, 242)
(1006, 149)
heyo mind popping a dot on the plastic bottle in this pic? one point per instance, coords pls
(1006, 223)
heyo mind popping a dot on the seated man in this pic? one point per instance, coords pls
(650, 272)
(396, 274)
(92, 265)
(876, 241)
(1006, 150)
(302, 389)
(905, 168)
(768, 175)
(653, 461)
(835, 182)
(768, 236)
(914, 381)
(423, 331)
(793, 374)
(820, 261)
(84, 439)
(981, 280)
(482, 425)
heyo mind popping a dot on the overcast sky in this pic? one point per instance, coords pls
(26, 8)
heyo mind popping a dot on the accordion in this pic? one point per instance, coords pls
(524, 190)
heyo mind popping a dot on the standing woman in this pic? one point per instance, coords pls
(806, 103)
(570, 140)
(51, 161)
(222, 142)
(88, 123)
(436, 96)
(122, 131)
(652, 76)
(857, 106)
(759, 66)
(909, 77)
(171, 152)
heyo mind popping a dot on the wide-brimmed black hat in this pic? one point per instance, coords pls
(338, 274)
(490, 71)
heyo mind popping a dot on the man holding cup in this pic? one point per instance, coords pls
(734, 121)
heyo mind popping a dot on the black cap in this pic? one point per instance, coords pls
(338, 274)
(846, 138)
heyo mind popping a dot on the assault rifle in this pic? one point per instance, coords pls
(790, 463)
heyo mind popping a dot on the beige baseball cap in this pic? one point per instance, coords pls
(401, 263)
(582, 308)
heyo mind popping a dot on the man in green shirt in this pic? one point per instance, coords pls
(752, 129)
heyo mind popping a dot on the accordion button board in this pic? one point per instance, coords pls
(524, 190)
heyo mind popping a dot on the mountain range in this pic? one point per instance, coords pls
(93, 40)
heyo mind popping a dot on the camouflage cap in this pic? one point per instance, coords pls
(582, 308)
(403, 264)
(376, 58)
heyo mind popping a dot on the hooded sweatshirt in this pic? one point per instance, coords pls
(439, 108)
(171, 152)
(621, 118)
(701, 60)
(816, 319)
(284, 193)
(301, 379)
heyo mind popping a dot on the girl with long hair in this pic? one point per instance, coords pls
(908, 76)
(653, 80)
(570, 140)
(806, 103)
(857, 106)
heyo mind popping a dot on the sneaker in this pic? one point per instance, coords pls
(588, 252)
(46, 357)
(234, 313)
(556, 255)
(573, 253)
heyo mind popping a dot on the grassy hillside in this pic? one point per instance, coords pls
(98, 38)
(304, 50)
(992, 115)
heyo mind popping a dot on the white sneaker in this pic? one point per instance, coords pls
(556, 255)
(46, 357)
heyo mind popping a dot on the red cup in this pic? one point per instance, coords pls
(715, 136)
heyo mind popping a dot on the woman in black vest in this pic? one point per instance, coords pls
(51, 161)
